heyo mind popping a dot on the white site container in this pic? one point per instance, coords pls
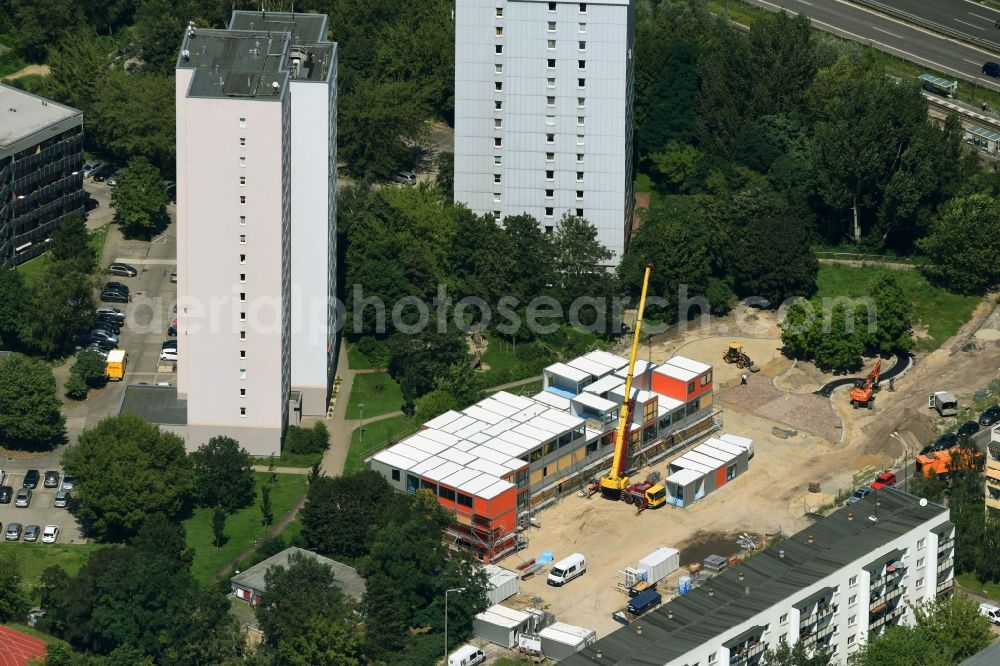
(560, 640)
(501, 625)
(660, 563)
(745, 442)
(503, 583)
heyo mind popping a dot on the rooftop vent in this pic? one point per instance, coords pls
(810, 538)
(185, 55)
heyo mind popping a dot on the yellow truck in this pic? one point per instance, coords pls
(117, 360)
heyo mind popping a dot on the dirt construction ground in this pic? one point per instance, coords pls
(773, 495)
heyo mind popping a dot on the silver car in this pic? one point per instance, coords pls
(31, 532)
(23, 498)
(13, 532)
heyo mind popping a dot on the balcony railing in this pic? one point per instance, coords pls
(739, 657)
(945, 564)
(819, 635)
(945, 586)
(887, 578)
(946, 543)
(884, 598)
(888, 617)
(817, 615)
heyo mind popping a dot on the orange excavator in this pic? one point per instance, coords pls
(863, 395)
(615, 485)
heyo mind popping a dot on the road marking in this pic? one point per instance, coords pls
(971, 25)
(985, 18)
(977, 64)
(806, 3)
(886, 32)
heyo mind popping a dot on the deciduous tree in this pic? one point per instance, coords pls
(15, 308)
(223, 474)
(342, 513)
(29, 406)
(961, 257)
(91, 368)
(127, 469)
(62, 309)
(71, 245)
(13, 601)
(140, 200)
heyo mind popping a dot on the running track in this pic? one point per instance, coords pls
(17, 648)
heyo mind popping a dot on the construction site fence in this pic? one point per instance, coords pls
(647, 455)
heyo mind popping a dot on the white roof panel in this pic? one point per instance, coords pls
(443, 419)
(460, 477)
(641, 366)
(745, 442)
(603, 385)
(563, 419)
(703, 459)
(518, 401)
(407, 451)
(515, 464)
(676, 372)
(501, 408)
(419, 441)
(501, 616)
(479, 437)
(440, 436)
(592, 368)
(536, 435)
(684, 462)
(456, 425)
(612, 360)
(595, 402)
(531, 411)
(491, 468)
(507, 448)
(486, 453)
(689, 364)
(425, 466)
(552, 400)
(442, 471)
(393, 459)
(566, 372)
(456, 455)
(475, 484)
(465, 445)
(722, 445)
(684, 477)
(471, 429)
(667, 404)
(495, 489)
(477, 412)
(714, 453)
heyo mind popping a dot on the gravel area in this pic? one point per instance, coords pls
(811, 413)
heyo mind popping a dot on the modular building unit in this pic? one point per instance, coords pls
(501, 625)
(503, 583)
(684, 487)
(560, 640)
(660, 563)
(745, 442)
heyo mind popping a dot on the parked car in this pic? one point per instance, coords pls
(123, 269)
(90, 203)
(90, 167)
(103, 344)
(68, 483)
(31, 532)
(113, 297)
(100, 333)
(23, 499)
(991, 69)
(6, 493)
(30, 479)
(169, 344)
(108, 311)
(172, 329)
(968, 428)
(113, 180)
(13, 532)
(51, 479)
(884, 480)
(990, 612)
(990, 416)
(103, 353)
(168, 355)
(860, 494)
(50, 534)
(118, 286)
(101, 173)
(61, 499)
(173, 276)
(405, 177)
(111, 327)
(946, 441)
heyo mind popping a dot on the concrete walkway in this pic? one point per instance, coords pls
(281, 470)
(340, 428)
(510, 385)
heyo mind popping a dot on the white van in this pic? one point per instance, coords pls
(467, 655)
(567, 569)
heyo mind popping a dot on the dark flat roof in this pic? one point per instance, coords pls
(304, 28)
(235, 63)
(699, 618)
(987, 657)
(156, 404)
(345, 577)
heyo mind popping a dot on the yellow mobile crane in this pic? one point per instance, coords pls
(615, 485)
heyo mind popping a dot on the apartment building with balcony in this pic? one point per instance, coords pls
(829, 586)
(496, 462)
(992, 471)
(41, 172)
(256, 156)
(543, 112)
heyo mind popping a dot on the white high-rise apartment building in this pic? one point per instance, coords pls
(543, 111)
(829, 587)
(256, 253)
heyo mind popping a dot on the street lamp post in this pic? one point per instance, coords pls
(446, 592)
(361, 409)
(906, 457)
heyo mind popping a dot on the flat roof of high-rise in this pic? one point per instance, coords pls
(778, 573)
(304, 28)
(235, 63)
(27, 119)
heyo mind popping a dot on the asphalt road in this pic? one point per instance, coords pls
(969, 18)
(929, 49)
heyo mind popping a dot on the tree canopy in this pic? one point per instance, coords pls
(223, 474)
(29, 407)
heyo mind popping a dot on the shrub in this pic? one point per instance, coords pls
(91, 368)
(376, 351)
(307, 440)
(76, 388)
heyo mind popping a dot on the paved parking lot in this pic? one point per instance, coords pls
(40, 512)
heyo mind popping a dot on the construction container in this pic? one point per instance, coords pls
(643, 602)
(715, 564)
(501, 625)
(560, 640)
(503, 583)
(659, 564)
(684, 585)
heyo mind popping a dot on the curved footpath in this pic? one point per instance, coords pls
(902, 364)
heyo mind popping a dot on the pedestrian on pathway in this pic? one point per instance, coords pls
(743, 379)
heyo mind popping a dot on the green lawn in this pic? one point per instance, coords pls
(287, 459)
(36, 557)
(969, 582)
(363, 392)
(376, 434)
(243, 527)
(529, 389)
(355, 359)
(940, 311)
(31, 269)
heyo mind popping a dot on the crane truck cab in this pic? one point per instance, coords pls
(567, 569)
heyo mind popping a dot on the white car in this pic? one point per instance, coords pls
(168, 355)
(991, 612)
(50, 534)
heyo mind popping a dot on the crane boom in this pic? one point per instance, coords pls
(615, 481)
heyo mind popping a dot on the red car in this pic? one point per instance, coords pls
(884, 480)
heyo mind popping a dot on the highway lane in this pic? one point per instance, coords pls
(928, 49)
(965, 16)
